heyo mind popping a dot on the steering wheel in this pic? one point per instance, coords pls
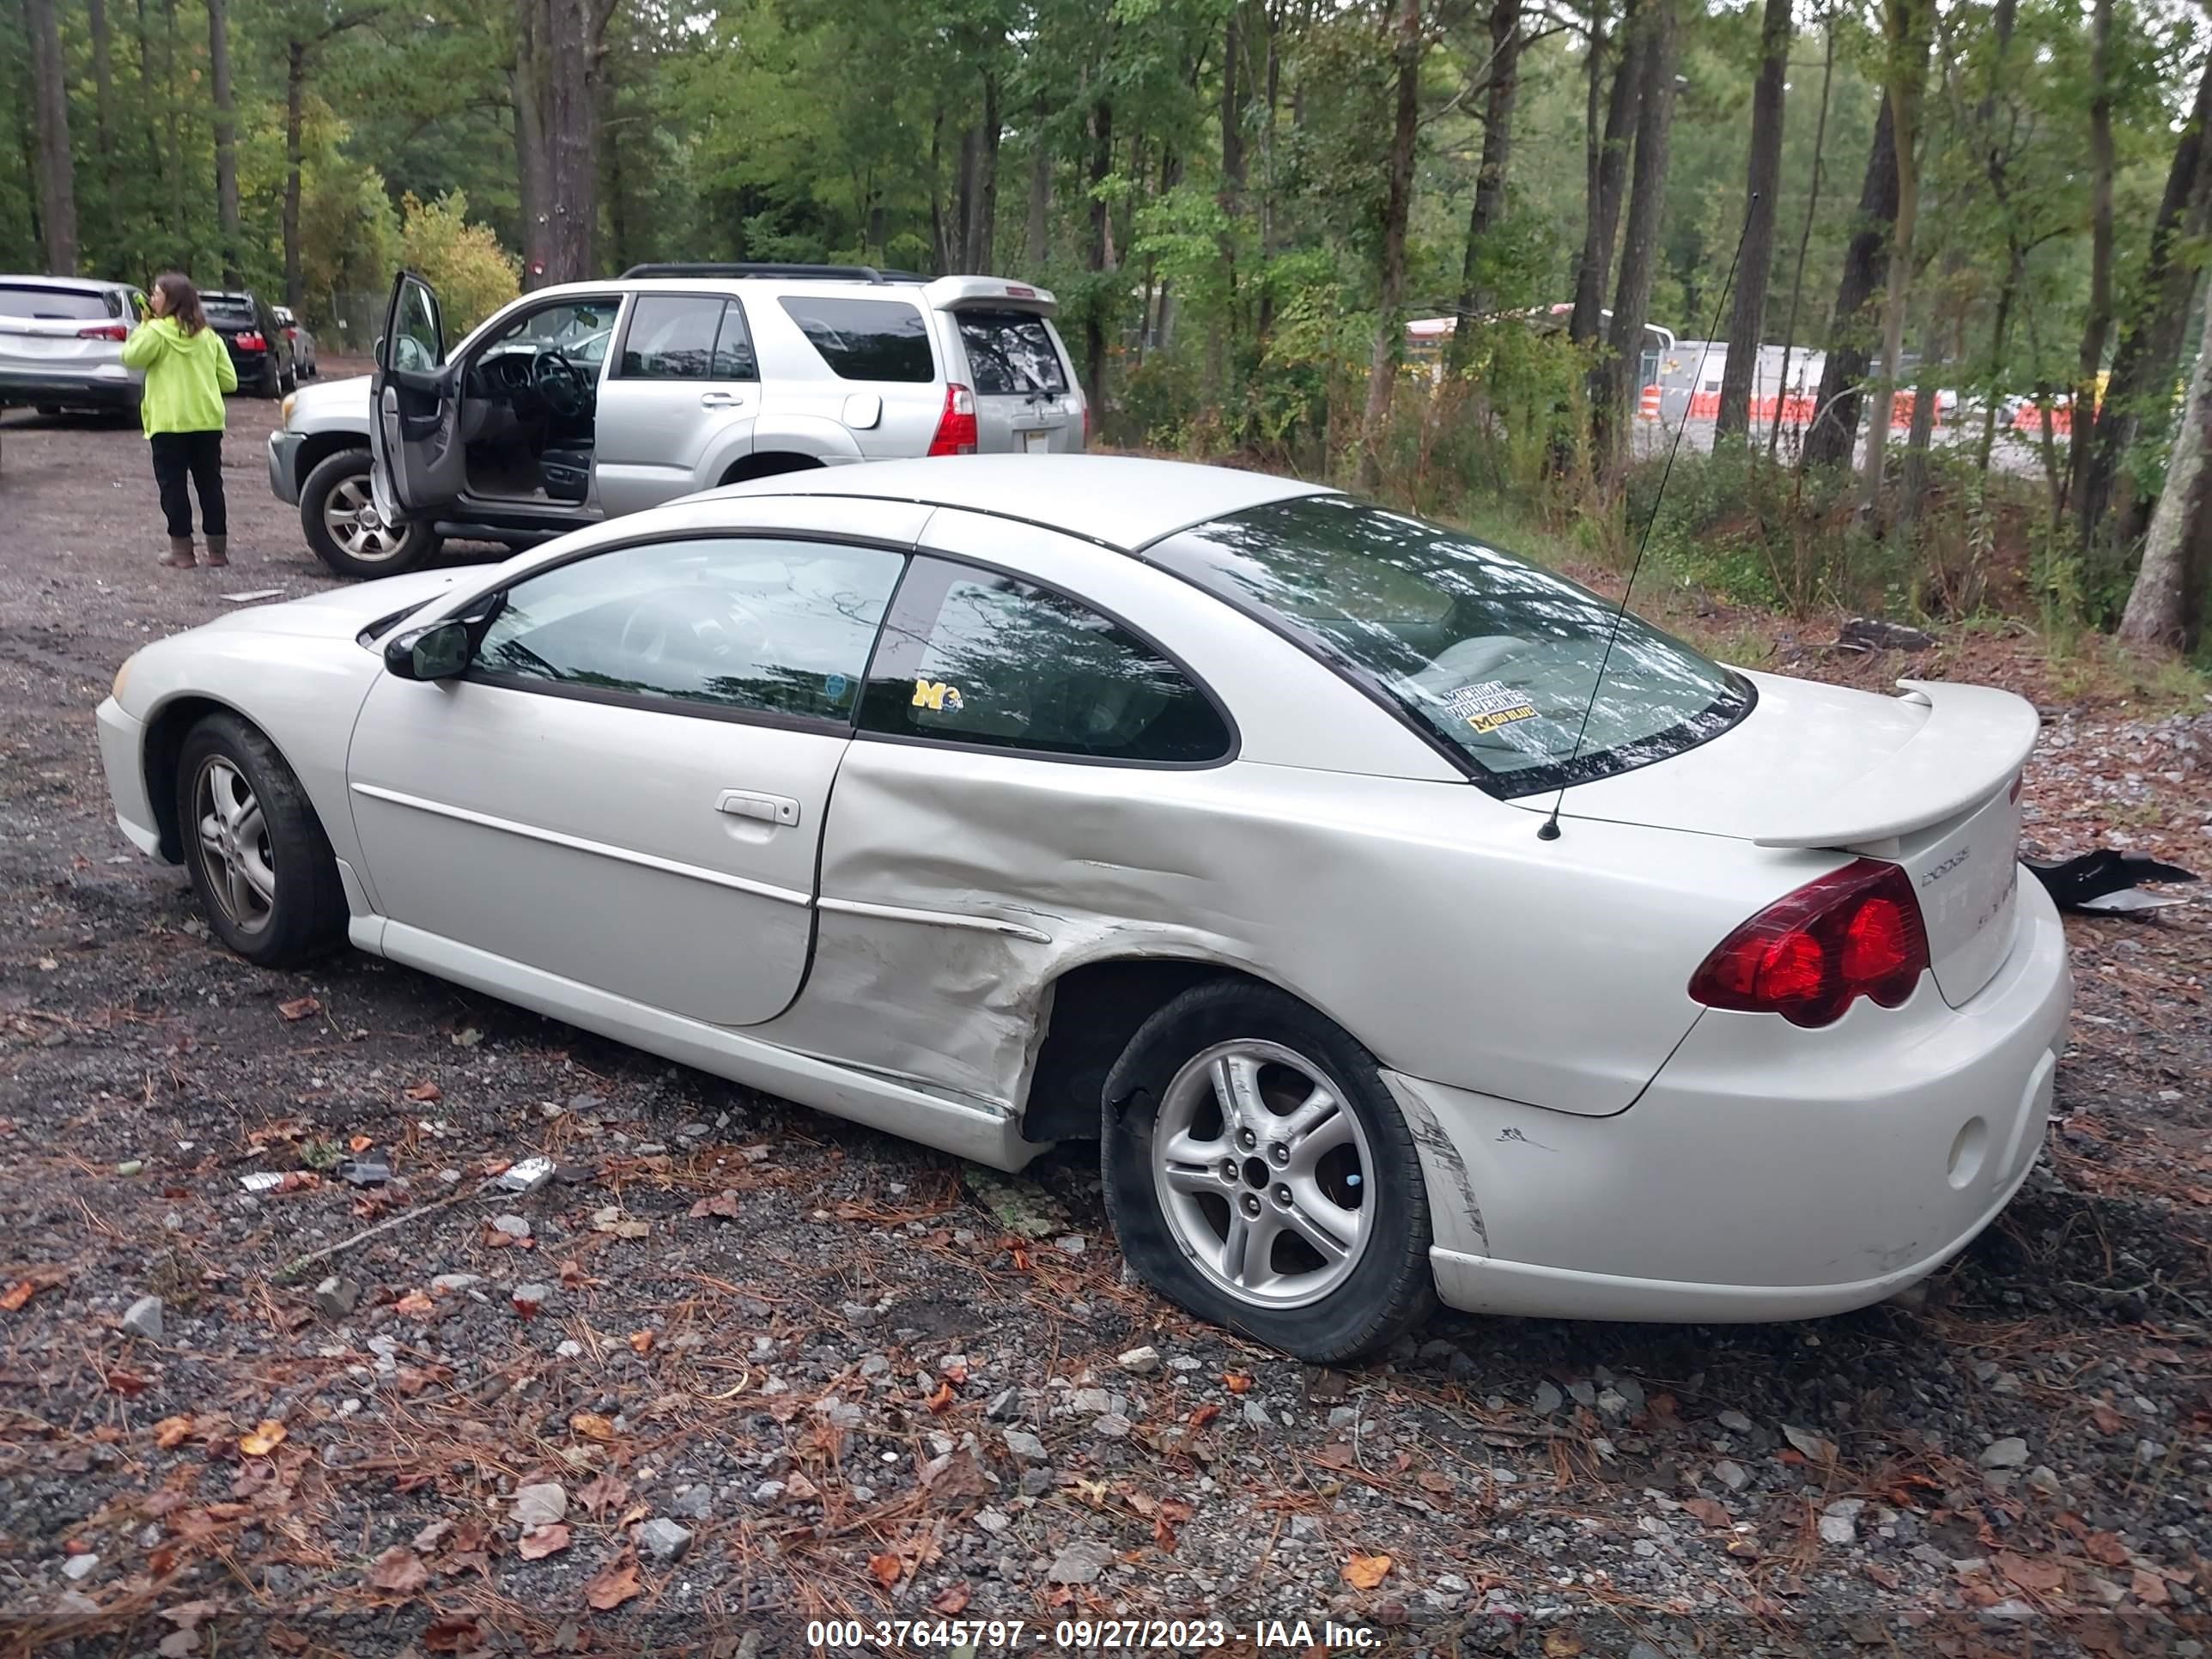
(558, 381)
(661, 622)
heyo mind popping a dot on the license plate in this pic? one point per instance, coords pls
(1036, 443)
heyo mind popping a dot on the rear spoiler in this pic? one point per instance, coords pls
(991, 294)
(1973, 743)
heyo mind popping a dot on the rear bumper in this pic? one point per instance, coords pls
(123, 755)
(1768, 1172)
(105, 386)
(283, 466)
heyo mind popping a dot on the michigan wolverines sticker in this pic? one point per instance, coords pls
(936, 693)
(1489, 705)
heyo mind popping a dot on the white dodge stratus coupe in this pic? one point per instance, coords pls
(1007, 800)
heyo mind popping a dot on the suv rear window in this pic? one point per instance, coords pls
(1011, 352)
(227, 307)
(60, 305)
(865, 339)
(1495, 657)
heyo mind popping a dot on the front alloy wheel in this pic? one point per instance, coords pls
(339, 512)
(237, 862)
(1259, 1173)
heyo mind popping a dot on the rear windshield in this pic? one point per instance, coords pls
(865, 339)
(60, 305)
(1010, 351)
(227, 307)
(1494, 656)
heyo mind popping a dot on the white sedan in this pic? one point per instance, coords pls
(1274, 839)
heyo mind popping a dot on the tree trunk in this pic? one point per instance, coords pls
(57, 167)
(1100, 253)
(226, 140)
(295, 94)
(573, 33)
(2150, 333)
(983, 201)
(2015, 269)
(1397, 209)
(1833, 434)
(1039, 237)
(2167, 601)
(1263, 325)
(1762, 186)
(1912, 486)
(103, 82)
(1804, 237)
(526, 91)
(1474, 299)
(1905, 23)
(1639, 248)
(2098, 321)
(1603, 218)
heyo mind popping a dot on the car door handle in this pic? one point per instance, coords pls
(769, 809)
(718, 400)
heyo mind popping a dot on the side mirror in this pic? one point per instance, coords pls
(440, 652)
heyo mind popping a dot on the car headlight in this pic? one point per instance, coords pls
(122, 675)
(291, 398)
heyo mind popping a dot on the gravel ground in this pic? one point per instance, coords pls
(738, 1367)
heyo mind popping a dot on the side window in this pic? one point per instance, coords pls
(979, 657)
(768, 625)
(865, 339)
(417, 342)
(671, 337)
(733, 347)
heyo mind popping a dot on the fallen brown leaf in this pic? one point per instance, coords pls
(542, 1541)
(886, 1568)
(1366, 1572)
(415, 1305)
(2041, 1573)
(591, 1425)
(266, 1437)
(612, 1585)
(1236, 1382)
(1562, 1644)
(603, 1492)
(359, 1144)
(723, 1204)
(2107, 1421)
(127, 1383)
(641, 1342)
(943, 1399)
(2107, 1549)
(1437, 1484)
(17, 1295)
(1204, 1415)
(426, 1092)
(172, 1432)
(2149, 1587)
(455, 1633)
(399, 1571)
(953, 1598)
(1705, 1509)
(300, 1007)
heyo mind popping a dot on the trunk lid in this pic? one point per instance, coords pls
(1927, 780)
(1027, 401)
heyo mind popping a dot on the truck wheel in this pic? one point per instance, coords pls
(330, 513)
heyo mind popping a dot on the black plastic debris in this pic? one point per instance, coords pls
(2106, 880)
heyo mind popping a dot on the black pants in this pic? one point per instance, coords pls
(200, 455)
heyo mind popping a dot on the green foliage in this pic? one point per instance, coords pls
(473, 274)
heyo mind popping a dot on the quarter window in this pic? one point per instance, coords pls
(865, 339)
(770, 626)
(975, 657)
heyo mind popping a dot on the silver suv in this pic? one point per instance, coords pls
(61, 343)
(590, 400)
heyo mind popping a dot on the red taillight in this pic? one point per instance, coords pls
(1854, 932)
(291, 333)
(252, 341)
(955, 428)
(105, 331)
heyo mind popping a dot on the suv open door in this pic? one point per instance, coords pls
(420, 465)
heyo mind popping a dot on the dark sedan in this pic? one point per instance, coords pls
(260, 350)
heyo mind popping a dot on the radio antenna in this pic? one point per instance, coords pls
(1549, 830)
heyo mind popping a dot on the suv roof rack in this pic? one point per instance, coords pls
(818, 273)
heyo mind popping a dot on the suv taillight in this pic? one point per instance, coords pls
(105, 331)
(1855, 932)
(252, 341)
(955, 428)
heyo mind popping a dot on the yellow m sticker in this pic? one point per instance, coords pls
(936, 693)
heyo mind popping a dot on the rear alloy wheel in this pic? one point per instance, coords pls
(260, 861)
(1259, 1175)
(337, 513)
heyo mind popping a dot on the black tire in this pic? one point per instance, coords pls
(270, 382)
(305, 914)
(289, 381)
(328, 476)
(1389, 1287)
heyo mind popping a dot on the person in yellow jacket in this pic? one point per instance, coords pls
(188, 369)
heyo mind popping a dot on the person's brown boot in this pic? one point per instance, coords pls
(218, 552)
(179, 555)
